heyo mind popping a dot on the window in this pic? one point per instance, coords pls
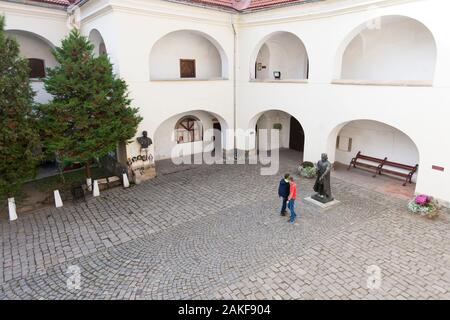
(188, 129)
(37, 68)
(187, 68)
(344, 143)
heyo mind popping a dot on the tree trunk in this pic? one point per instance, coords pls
(88, 169)
(60, 169)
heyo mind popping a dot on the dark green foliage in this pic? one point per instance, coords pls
(307, 164)
(90, 112)
(18, 134)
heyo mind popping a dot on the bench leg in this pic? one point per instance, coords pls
(407, 179)
(410, 179)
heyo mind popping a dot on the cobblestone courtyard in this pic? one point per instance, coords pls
(213, 232)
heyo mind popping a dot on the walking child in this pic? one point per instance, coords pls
(291, 199)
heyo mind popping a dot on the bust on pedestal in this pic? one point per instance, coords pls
(142, 166)
(144, 141)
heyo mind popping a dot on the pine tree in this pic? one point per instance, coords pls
(90, 112)
(18, 134)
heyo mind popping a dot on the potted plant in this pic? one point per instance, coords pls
(277, 126)
(307, 170)
(424, 205)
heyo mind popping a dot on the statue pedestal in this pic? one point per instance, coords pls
(323, 205)
(142, 167)
(140, 175)
(142, 171)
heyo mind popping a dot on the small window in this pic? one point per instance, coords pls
(37, 68)
(187, 68)
(344, 143)
(188, 130)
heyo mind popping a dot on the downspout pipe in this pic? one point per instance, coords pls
(234, 88)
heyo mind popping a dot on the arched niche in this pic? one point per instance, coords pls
(188, 54)
(388, 49)
(97, 40)
(280, 56)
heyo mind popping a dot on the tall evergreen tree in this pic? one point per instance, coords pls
(18, 134)
(90, 112)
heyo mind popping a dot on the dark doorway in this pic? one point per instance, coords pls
(297, 136)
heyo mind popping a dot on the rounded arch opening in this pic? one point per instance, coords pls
(99, 44)
(200, 131)
(34, 46)
(291, 132)
(280, 55)
(188, 129)
(379, 140)
(390, 48)
(38, 51)
(188, 54)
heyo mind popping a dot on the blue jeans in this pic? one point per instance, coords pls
(291, 206)
(283, 205)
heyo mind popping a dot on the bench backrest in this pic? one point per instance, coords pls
(373, 159)
(400, 166)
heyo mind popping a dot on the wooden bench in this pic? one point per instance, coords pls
(380, 168)
(376, 166)
(410, 170)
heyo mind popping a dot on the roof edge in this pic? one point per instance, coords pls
(34, 3)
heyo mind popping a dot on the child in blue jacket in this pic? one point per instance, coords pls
(283, 192)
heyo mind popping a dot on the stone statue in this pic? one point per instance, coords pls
(144, 141)
(323, 182)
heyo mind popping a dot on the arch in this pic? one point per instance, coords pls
(210, 58)
(165, 133)
(97, 40)
(374, 138)
(292, 133)
(34, 46)
(188, 129)
(387, 48)
(283, 52)
(31, 34)
(38, 50)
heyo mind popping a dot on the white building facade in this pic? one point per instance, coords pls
(337, 76)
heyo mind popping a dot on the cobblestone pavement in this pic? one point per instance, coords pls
(214, 232)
